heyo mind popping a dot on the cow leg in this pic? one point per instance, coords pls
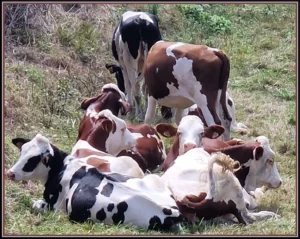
(179, 114)
(151, 110)
(137, 98)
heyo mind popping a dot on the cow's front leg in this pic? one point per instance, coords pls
(151, 110)
(40, 206)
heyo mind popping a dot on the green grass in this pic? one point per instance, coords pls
(51, 73)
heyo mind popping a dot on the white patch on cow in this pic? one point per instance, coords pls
(82, 144)
(157, 70)
(212, 49)
(146, 17)
(115, 87)
(170, 48)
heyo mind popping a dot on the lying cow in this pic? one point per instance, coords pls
(179, 75)
(204, 186)
(133, 37)
(149, 151)
(188, 135)
(105, 132)
(234, 126)
(257, 160)
(85, 188)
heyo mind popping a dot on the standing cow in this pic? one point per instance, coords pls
(133, 37)
(179, 75)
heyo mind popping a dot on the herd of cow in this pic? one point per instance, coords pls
(110, 174)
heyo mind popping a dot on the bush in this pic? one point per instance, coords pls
(208, 23)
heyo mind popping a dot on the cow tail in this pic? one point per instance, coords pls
(224, 81)
(226, 163)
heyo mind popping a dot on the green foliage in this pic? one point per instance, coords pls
(153, 8)
(292, 113)
(208, 23)
(286, 94)
(84, 39)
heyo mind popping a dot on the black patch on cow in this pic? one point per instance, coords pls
(67, 200)
(174, 207)
(116, 177)
(101, 215)
(78, 175)
(53, 186)
(229, 102)
(119, 216)
(32, 163)
(107, 189)
(110, 207)
(242, 174)
(172, 196)
(167, 211)
(113, 44)
(170, 221)
(84, 196)
(43, 205)
(154, 223)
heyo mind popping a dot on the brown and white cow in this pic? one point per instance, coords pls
(257, 159)
(149, 152)
(234, 126)
(189, 134)
(179, 75)
(87, 189)
(204, 186)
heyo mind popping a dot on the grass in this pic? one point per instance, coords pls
(47, 76)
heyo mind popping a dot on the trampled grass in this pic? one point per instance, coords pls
(50, 71)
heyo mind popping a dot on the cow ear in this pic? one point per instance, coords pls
(124, 107)
(107, 125)
(258, 152)
(18, 142)
(166, 130)
(111, 68)
(46, 157)
(88, 101)
(213, 131)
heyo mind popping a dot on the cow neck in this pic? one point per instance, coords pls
(108, 100)
(241, 153)
(97, 136)
(56, 164)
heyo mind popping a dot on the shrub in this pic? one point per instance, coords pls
(208, 22)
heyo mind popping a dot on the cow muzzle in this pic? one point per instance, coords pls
(10, 175)
(188, 146)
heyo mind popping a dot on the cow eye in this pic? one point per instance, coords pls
(270, 161)
(123, 130)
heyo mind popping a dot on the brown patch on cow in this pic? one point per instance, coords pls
(192, 205)
(166, 130)
(101, 164)
(82, 153)
(213, 131)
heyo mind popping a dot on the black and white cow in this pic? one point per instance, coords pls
(86, 189)
(133, 37)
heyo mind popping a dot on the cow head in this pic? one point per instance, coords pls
(35, 157)
(189, 132)
(111, 97)
(263, 170)
(112, 131)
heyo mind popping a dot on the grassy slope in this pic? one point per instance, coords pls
(47, 79)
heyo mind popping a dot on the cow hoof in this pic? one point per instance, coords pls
(39, 206)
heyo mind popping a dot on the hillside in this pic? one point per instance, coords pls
(55, 57)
